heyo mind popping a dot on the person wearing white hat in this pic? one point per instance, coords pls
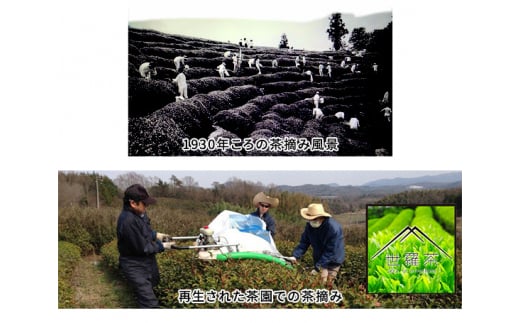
(325, 236)
(263, 203)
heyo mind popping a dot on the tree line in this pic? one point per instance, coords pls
(81, 189)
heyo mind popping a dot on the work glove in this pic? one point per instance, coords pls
(168, 245)
(162, 237)
(292, 260)
(314, 272)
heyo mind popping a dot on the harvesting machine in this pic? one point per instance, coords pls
(233, 235)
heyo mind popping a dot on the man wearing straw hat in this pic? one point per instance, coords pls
(325, 236)
(263, 203)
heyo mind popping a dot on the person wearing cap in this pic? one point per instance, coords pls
(325, 236)
(138, 244)
(263, 203)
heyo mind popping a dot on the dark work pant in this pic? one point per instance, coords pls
(143, 275)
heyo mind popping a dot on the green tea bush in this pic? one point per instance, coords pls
(403, 219)
(372, 221)
(68, 257)
(446, 216)
(425, 221)
(180, 270)
(110, 256)
(88, 228)
(382, 223)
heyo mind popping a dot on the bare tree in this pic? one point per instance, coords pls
(130, 178)
(190, 181)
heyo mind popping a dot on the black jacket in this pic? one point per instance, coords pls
(135, 237)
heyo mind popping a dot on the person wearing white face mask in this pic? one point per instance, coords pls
(325, 236)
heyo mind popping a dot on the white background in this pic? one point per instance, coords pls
(64, 102)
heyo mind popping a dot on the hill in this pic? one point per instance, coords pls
(379, 188)
(425, 181)
(255, 114)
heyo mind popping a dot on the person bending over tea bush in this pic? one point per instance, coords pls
(147, 69)
(325, 236)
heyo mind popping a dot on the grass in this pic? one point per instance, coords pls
(95, 287)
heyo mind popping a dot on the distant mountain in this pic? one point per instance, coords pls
(425, 181)
(332, 184)
(379, 188)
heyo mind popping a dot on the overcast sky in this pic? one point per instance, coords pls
(308, 35)
(206, 178)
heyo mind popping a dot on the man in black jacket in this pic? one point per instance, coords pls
(137, 244)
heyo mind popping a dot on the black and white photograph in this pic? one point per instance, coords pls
(246, 87)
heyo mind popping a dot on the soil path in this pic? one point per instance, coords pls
(95, 288)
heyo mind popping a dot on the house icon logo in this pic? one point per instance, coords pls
(405, 234)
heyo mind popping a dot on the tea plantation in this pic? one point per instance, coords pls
(254, 114)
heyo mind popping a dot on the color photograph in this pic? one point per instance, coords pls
(259, 240)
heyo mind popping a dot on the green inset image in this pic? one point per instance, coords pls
(411, 249)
